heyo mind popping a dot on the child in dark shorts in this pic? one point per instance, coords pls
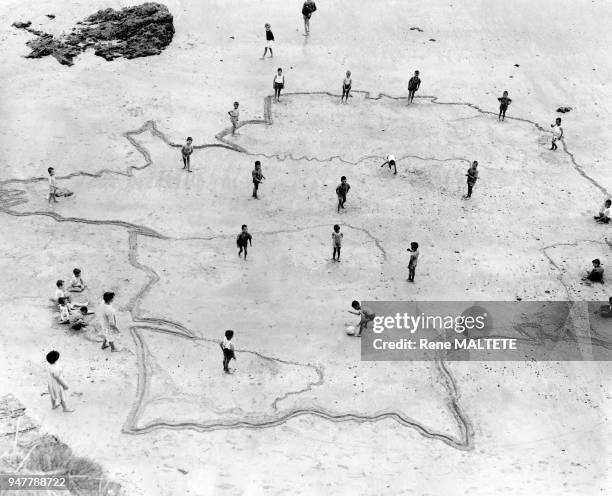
(504, 102)
(243, 239)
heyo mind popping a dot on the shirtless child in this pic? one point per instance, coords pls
(244, 239)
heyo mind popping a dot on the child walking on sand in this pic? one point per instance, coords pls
(258, 177)
(278, 83)
(341, 190)
(234, 116)
(56, 383)
(186, 151)
(269, 41)
(366, 316)
(243, 239)
(504, 102)
(337, 242)
(557, 131)
(307, 9)
(228, 350)
(346, 87)
(108, 321)
(414, 258)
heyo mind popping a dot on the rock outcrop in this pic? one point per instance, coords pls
(132, 32)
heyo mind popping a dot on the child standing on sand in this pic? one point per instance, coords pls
(52, 185)
(228, 350)
(337, 242)
(366, 316)
(346, 87)
(56, 383)
(413, 86)
(243, 239)
(307, 9)
(108, 321)
(269, 41)
(186, 151)
(504, 102)
(278, 83)
(234, 116)
(472, 177)
(557, 131)
(414, 258)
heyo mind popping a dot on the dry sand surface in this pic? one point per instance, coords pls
(302, 414)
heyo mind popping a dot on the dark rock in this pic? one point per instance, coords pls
(564, 110)
(21, 25)
(138, 31)
(51, 16)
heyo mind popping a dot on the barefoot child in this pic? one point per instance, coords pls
(337, 242)
(346, 87)
(504, 102)
(366, 314)
(228, 350)
(472, 177)
(557, 131)
(108, 321)
(60, 293)
(391, 163)
(604, 213)
(234, 116)
(278, 83)
(243, 239)
(78, 319)
(269, 41)
(64, 311)
(52, 185)
(186, 151)
(414, 258)
(341, 190)
(413, 86)
(55, 382)
(307, 9)
(76, 283)
(258, 177)
(596, 274)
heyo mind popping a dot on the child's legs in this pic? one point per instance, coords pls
(411, 271)
(184, 161)
(470, 186)
(338, 250)
(255, 188)
(335, 252)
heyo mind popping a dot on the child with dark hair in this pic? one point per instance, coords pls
(606, 310)
(307, 9)
(234, 116)
(108, 321)
(346, 87)
(76, 284)
(366, 314)
(269, 41)
(604, 212)
(413, 86)
(337, 242)
(557, 131)
(60, 293)
(228, 350)
(52, 185)
(56, 383)
(472, 177)
(414, 258)
(278, 83)
(244, 239)
(64, 311)
(186, 151)
(596, 274)
(78, 319)
(504, 102)
(341, 190)
(258, 177)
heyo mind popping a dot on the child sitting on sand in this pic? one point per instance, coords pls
(64, 311)
(60, 293)
(78, 319)
(596, 274)
(76, 284)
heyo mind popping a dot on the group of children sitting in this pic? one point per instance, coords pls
(71, 312)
